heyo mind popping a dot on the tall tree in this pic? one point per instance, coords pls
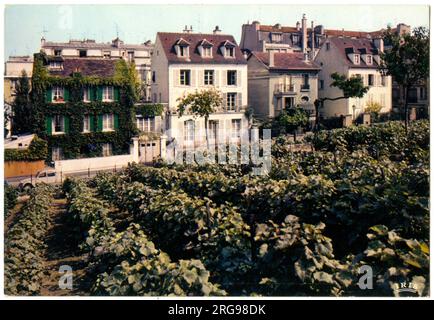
(21, 107)
(406, 59)
(200, 104)
(351, 88)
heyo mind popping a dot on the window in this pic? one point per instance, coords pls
(86, 95)
(369, 59)
(107, 54)
(207, 52)
(276, 37)
(230, 52)
(383, 81)
(107, 149)
(213, 129)
(423, 93)
(321, 84)
(56, 154)
(146, 124)
(231, 99)
(130, 56)
(58, 124)
(370, 80)
(305, 85)
(189, 130)
(58, 94)
(183, 51)
(232, 78)
(108, 122)
(412, 95)
(55, 65)
(356, 59)
(153, 76)
(289, 102)
(236, 128)
(82, 53)
(208, 77)
(86, 123)
(107, 94)
(184, 77)
(328, 46)
(57, 52)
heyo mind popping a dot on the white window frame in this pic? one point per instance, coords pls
(231, 101)
(55, 65)
(108, 122)
(230, 52)
(369, 59)
(208, 77)
(189, 130)
(183, 51)
(183, 77)
(213, 127)
(146, 124)
(107, 54)
(86, 123)
(56, 93)
(356, 59)
(108, 93)
(62, 124)
(86, 95)
(207, 52)
(235, 77)
(236, 128)
(107, 149)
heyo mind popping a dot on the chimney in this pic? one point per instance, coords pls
(216, 30)
(271, 58)
(304, 34)
(312, 36)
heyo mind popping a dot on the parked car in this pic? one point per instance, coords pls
(48, 175)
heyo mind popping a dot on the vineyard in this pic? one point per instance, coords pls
(361, 197)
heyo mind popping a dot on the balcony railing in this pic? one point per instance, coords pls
(305, 87)
(284, 88)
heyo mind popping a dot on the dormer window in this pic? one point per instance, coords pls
(205, 49)
(276, 37)
(368, 59)
(356, 59)
(182, 48)
(228, 49)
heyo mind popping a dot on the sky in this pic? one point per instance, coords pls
(26, 24)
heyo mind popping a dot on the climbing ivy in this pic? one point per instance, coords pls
(75, 143)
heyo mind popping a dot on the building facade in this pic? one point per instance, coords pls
(352, 57)
(187, 62)
(82, 107)
(140, 54)
(14, 68)
(280, 80)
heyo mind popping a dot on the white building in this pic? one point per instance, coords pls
(140, 54)
(185, 62)
(352, 57)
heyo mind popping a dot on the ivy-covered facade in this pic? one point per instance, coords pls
(84, 107)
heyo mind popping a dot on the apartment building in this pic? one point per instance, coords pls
(352, 57)
(140, 54)
(280, 80)
(186, 62)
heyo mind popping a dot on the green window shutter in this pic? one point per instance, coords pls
(116, 93)
(99, 94)
(48, 95)
(116, 121)
(66, 94)
(92, 93)
(48, 125)
(92, 123)
(99, 125)
(66, 123)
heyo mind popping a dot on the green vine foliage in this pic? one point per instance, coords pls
(37, 150)
(149, 110)
(75, 143)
